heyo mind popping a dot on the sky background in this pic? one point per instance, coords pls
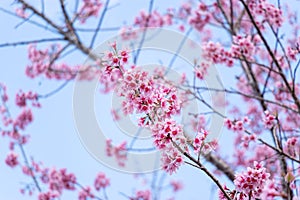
(54, 139)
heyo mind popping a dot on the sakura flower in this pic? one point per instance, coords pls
(89, 8)
(142, 195)
(269, 119)
(101, 181)
(251, 182)
(12, 159)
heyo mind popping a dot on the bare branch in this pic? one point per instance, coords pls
(32, 42)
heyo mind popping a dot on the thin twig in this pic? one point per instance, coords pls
(144, 33)
(99, 23)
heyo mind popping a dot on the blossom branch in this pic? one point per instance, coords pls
(204, 169)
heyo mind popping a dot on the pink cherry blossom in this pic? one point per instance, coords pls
(267, 11)
(199, 141)
(85, 193)
(215, 53)
(119, 152)
(142, 195)
(243, 47)
(12, 159)
(23, 119)
(101, 181)
(250, 183)
(154, 19)
(21, 12)
(89, 8)
(176, 185)
(268, 119)
(47, 195)
(171, 159)
(200, 17)
(292, 146)
(22, 98)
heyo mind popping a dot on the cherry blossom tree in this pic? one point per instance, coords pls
(255, 43)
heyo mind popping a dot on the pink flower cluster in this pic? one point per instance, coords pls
(119, 152)
(3, 93)
(264, 11)
(293, 52)
(14, 134)
(243, 47)
(21, 12)
(39, 61)
(168, 137)
(215, 53)
(115, 58)
(246, 139)
(250, 184)
(27, 170)
(154, 19)
(176, 185)
(22, 98)
(23, 119)
(12, 159)
(114, 63)
(260, 152)
(200, 17)
(198, 123)
(58, 180)
(236, 125)
(85, 193)
(244, 87)
(171, 159)
(16, 138)
(115, 114)
(101, 181)
(221, 195)
(145, 95)
(199, 142)
(268, 119)
(270, 191)
(201, 70)
(142, 195)
(42, 63)
(5, 116)
(292, 146)
(167, 131)
(89, 8)
(47, 195)
(185, 10)
(157, 100)
(128, 33)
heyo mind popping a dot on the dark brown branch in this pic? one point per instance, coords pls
(220, 164)
(71, 38)
(69, 24)
(32, 41)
